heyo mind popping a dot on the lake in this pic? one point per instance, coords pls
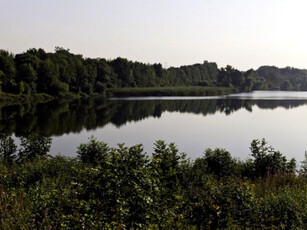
(193, 123)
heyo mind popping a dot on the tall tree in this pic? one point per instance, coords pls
(7, 71)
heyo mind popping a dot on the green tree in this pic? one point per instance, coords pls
(130, 185)
(158, 70)
(268, 162)
(166, 167)
(303, 170)
(122, 67)
(28, 75)
(286, 85)
(219, 162)
(224, 76)
(7, 149)
(47, 75)
(7, 71)
(59, 88)
(105, 74)
(94, 152)
(34, 145)
(237, 79)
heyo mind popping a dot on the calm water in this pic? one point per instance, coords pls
(193, 123)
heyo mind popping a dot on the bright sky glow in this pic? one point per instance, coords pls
(243, 33)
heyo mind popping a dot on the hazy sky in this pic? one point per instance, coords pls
(242, 33)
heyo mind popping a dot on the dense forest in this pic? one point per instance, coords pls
(124, 188)
(63, 73)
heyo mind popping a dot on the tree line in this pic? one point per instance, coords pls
(62, 73)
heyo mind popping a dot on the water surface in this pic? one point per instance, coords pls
(193, 123)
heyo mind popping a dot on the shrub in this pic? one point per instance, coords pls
(303, 170)
(7, 149)
(34, 145)
(219, 162)
(268, 162)
(93, 152)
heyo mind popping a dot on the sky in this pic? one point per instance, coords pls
(242, 33)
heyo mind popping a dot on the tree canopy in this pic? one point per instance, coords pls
(62, 72)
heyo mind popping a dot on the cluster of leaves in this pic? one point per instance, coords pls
(122, 187)
(31, 146)
(287, 78)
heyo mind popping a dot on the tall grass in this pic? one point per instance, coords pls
(171, 91)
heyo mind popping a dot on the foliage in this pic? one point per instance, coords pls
(171, 91)
(219, 162)
(303, 170)
(34, 145)
(7, 149)
(63, 73)
(284, 78)
(267, 161)
(93, 152)
(124, 188)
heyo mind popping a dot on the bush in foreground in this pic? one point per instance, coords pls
(124, 188)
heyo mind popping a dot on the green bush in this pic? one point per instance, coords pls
(219, 162)
(34, 145)
(7, 149)
(268, 162)
(93, 152)
(124, 188)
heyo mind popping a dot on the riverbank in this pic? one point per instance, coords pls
(171, 91)
(10, 98)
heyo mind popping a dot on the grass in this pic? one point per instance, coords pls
(9, 98)
(171, 91)
(12, 99)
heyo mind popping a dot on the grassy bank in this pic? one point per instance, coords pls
(9, 98)
(171, 91)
